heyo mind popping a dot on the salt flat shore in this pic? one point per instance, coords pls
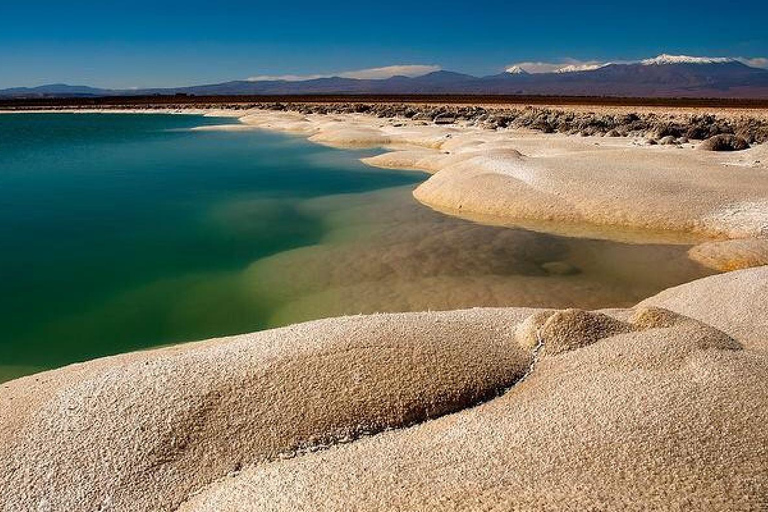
(622, 187)
(661, 406)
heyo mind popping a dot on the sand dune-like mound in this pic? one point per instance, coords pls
(350, 137)
(144, 430)
(736, 303)
(290, 122)
(414, 159)
(727, 255)
(666, 413)
(632, 187)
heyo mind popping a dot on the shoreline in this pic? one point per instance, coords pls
(343, 409)
(519, 177)
(468, 153)
(573, 119)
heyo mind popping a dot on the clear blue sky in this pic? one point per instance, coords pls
(162, 43)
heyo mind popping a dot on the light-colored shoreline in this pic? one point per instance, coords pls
(615, 188)
(527, 176)
(622, 409)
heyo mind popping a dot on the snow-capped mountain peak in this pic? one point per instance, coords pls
(516, 70)
(665, 59)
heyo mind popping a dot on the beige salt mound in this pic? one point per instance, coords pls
(727, 255)
(639, 188)
(651, 412)
(412, 159)
(736, 303)
(290, 122)
(343, 137)
(569, 329)
(142, 431)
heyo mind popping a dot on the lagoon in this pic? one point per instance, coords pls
(124, 231)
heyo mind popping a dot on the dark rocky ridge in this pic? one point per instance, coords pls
(652, 125)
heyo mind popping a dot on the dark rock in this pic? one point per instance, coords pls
(724, 142)
(668, 140)
(445, 119)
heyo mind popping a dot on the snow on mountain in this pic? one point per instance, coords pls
(574, 68)
(665, 59)
(516, 70)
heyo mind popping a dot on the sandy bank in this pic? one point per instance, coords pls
(730, 255)
(631, 409)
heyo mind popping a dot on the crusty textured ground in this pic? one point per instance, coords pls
(142, 431)
(664, 413)
(620, 410)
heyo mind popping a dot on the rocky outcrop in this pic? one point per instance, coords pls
(650, 124)
(724, 142)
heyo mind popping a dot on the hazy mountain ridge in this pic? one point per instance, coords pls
(663, 76)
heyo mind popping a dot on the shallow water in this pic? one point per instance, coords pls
(128, 231)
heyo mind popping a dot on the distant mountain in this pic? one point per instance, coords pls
(54, 91)
(435, 82)
(662, 76)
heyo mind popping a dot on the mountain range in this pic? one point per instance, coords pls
(663, 76)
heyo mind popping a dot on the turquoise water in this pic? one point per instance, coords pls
(121, 232)
(131, 211)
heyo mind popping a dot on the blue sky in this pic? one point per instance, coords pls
(155, 43)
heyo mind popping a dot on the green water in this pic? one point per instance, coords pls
(122, 232)
(112, 225)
